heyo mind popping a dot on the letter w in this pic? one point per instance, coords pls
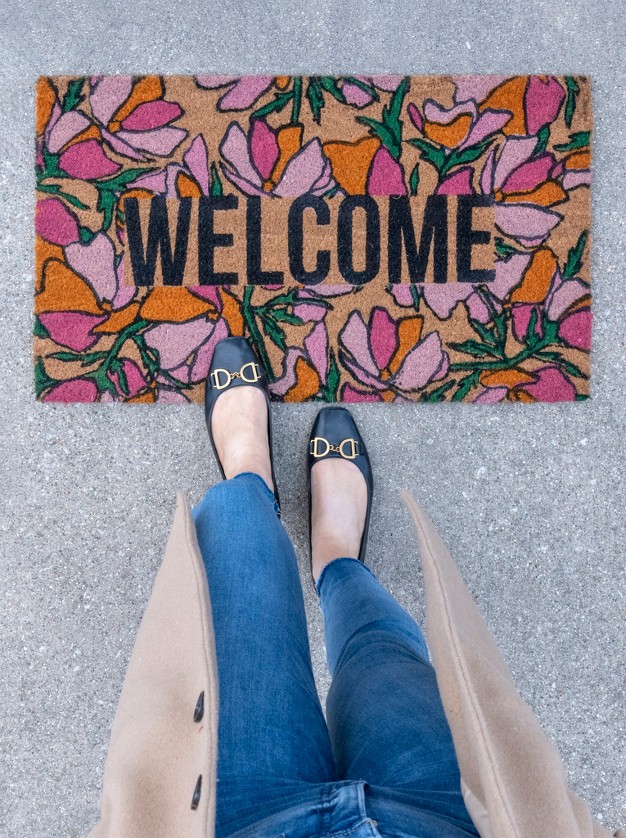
(143, 260)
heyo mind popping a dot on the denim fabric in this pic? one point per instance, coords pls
(384, 762)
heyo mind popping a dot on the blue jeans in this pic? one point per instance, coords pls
(384, 762)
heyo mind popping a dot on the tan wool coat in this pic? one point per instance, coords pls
(160, 771)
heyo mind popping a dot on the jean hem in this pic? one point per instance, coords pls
(318, 584)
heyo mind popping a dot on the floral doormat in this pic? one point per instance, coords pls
(377, 238)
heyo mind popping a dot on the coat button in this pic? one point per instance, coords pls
(196, 793)
(198, 713)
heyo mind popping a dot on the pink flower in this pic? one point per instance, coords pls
(519, 182)
(133, 116)
(252, 159)
(55, 223)
(185, 349)
(73, 329)
(188, 180)
(443, 298)
(564, 303)
(542, 102)
(316, 346)
(73, 390)
(87, 160)
(355, 95)
(242, 93)
(390, 355)
(546, 384)
(459, 126)
(134, 379)
(95, 263)
(386, 176)
(64, 127)
(535, 100)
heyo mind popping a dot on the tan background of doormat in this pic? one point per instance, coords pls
(524, 140)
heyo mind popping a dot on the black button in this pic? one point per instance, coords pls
(198, 713)
(196, 793)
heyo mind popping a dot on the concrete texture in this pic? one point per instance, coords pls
(530, 499)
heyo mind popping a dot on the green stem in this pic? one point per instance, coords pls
(121, 339)
(297, 100)
(509, 364)
(100, 374)
(248, 312)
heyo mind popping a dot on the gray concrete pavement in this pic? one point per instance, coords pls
(530, 499)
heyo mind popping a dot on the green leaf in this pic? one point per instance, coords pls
(217, 190)
(438, 394)
(329, 83)
(281, 315)
(51, 164)
(486, 334)
(39, 330)
(579, 139)
(280, 101)
(86, 235)
(504, 250)
(414, 180)
(55, 189)
(273, 331)
(542, 141)
(581, 397)
(315, 97)
(531, 335)
(572, 369)
(466, 385)
(476, 348)
(123, 178)
(106, 203)
(466, 155)
(329, 390)
(550, 330)
(395, 106)
(149, 355)
(122, 380)
(570, 105)
(383, 132)
(297, 100)
(102, 380)
(85, 359)
(42, 379)
(430, 153)
(389, 130)
(65, 356)
(499, 320)
(286, 298)
(107, 189)
(574, 257)
(73, 98)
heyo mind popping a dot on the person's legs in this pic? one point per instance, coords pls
(384, 712)
(273, 738)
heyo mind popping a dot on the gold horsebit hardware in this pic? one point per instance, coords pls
(255, 371)
(338, 449)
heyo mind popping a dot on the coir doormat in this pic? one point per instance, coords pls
(377, 238)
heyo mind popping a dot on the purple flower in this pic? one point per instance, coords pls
(389, 355)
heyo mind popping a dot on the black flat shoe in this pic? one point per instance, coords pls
(236, 364)
(335, 434)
